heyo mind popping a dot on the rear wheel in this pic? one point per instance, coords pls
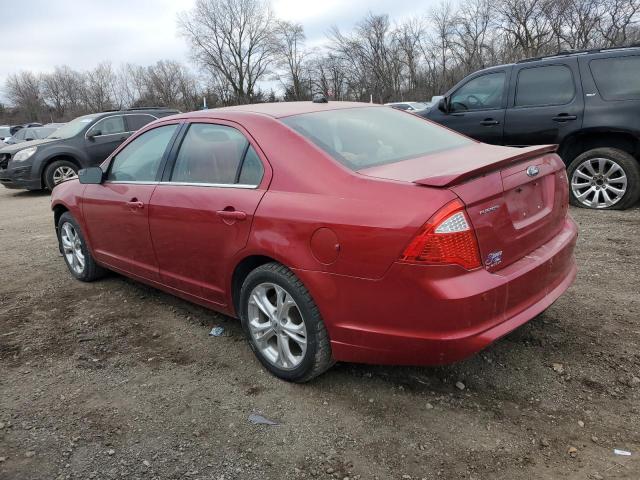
(58, 172)
(75, 251)
(604, 178)
(283, 324)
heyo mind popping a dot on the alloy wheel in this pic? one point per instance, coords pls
(62, 174)
(599, 183)
(277, 326)
(72, 248)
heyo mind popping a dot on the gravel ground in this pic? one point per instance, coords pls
(117, 380)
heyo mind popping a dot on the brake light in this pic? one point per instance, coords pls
(447, 238)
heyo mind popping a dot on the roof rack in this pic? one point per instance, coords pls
(145, 108)
(569, 53)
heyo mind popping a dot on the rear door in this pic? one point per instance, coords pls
(545, 103)
(117, 211)
(201, 213)
(104, 137)
(477, 107)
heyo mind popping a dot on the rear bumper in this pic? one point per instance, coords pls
(430, 315)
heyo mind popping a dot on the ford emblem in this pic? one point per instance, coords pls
(532, 171)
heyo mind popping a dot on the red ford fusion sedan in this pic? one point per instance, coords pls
(334, 231)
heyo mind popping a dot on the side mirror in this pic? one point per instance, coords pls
(91, 175)
(443, 105)
(29, 139)
(92, 136)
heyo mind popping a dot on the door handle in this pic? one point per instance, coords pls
(233, 215)
(487, 122)
(563, 117)
(134, 203)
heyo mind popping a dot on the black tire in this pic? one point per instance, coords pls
(624, 160)
(91, 270)
(317, 358)
(50, 171)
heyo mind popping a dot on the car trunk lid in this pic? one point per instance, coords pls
(516, 199)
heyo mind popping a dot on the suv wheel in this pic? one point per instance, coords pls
(283, 324)
(58, 172)
(604, 178)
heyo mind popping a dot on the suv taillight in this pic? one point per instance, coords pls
(447, 238)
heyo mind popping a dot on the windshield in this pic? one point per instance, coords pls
(73, 128)
(365, 137)
(5, 132)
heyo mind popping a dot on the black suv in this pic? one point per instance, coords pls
(83, 142)
(587, 102)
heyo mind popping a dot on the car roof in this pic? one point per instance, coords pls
(275, 110)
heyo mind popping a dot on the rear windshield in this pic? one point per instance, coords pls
(360, 138)
(5, 132)
(617, 78)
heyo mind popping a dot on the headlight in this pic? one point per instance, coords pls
(22, 155)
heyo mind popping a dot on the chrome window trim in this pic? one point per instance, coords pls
(185, 184)
(123, 121)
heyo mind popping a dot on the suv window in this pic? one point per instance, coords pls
(480, 93)
(108, 126)
(136, 122)
(212, 154)
(617, 78)
(546, 85)
(139, 160)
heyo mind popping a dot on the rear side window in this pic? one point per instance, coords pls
(216, 154)
(136, 122)
(365, 137)
(548, 85)
(617, 78)
(139, 161)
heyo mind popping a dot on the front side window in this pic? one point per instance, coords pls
(139, 160)
(549, 85)
(481, 93)
(108, 126)
(365, 137)
(617, 78)
(216, 154)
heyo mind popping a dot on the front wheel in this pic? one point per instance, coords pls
(283, 324)
(58, 172)
(75, 250)
(604, 178)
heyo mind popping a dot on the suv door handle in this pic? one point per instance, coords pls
(563, 117)
(489, 121)
(232, 215)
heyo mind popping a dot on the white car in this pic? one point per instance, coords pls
(409, 106)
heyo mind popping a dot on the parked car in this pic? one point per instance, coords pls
(586, 102)
(83, 142)
(408, 106)
(15, 128)
(28, 134)
(335, 231)
(5, 133)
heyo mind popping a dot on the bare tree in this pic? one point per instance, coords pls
(233, 39)
(292, 57)
(100, 87)
(23, 90)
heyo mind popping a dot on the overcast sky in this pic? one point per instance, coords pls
(41, 34)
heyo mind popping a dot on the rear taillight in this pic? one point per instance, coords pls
(447, 238)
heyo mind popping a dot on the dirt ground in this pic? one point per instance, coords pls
(116, 380)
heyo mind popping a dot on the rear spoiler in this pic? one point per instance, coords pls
(465, 170)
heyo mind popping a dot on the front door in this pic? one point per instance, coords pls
(477, 108)
(104, 137)
(201, 216)
(116, 212)
(545, 103)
